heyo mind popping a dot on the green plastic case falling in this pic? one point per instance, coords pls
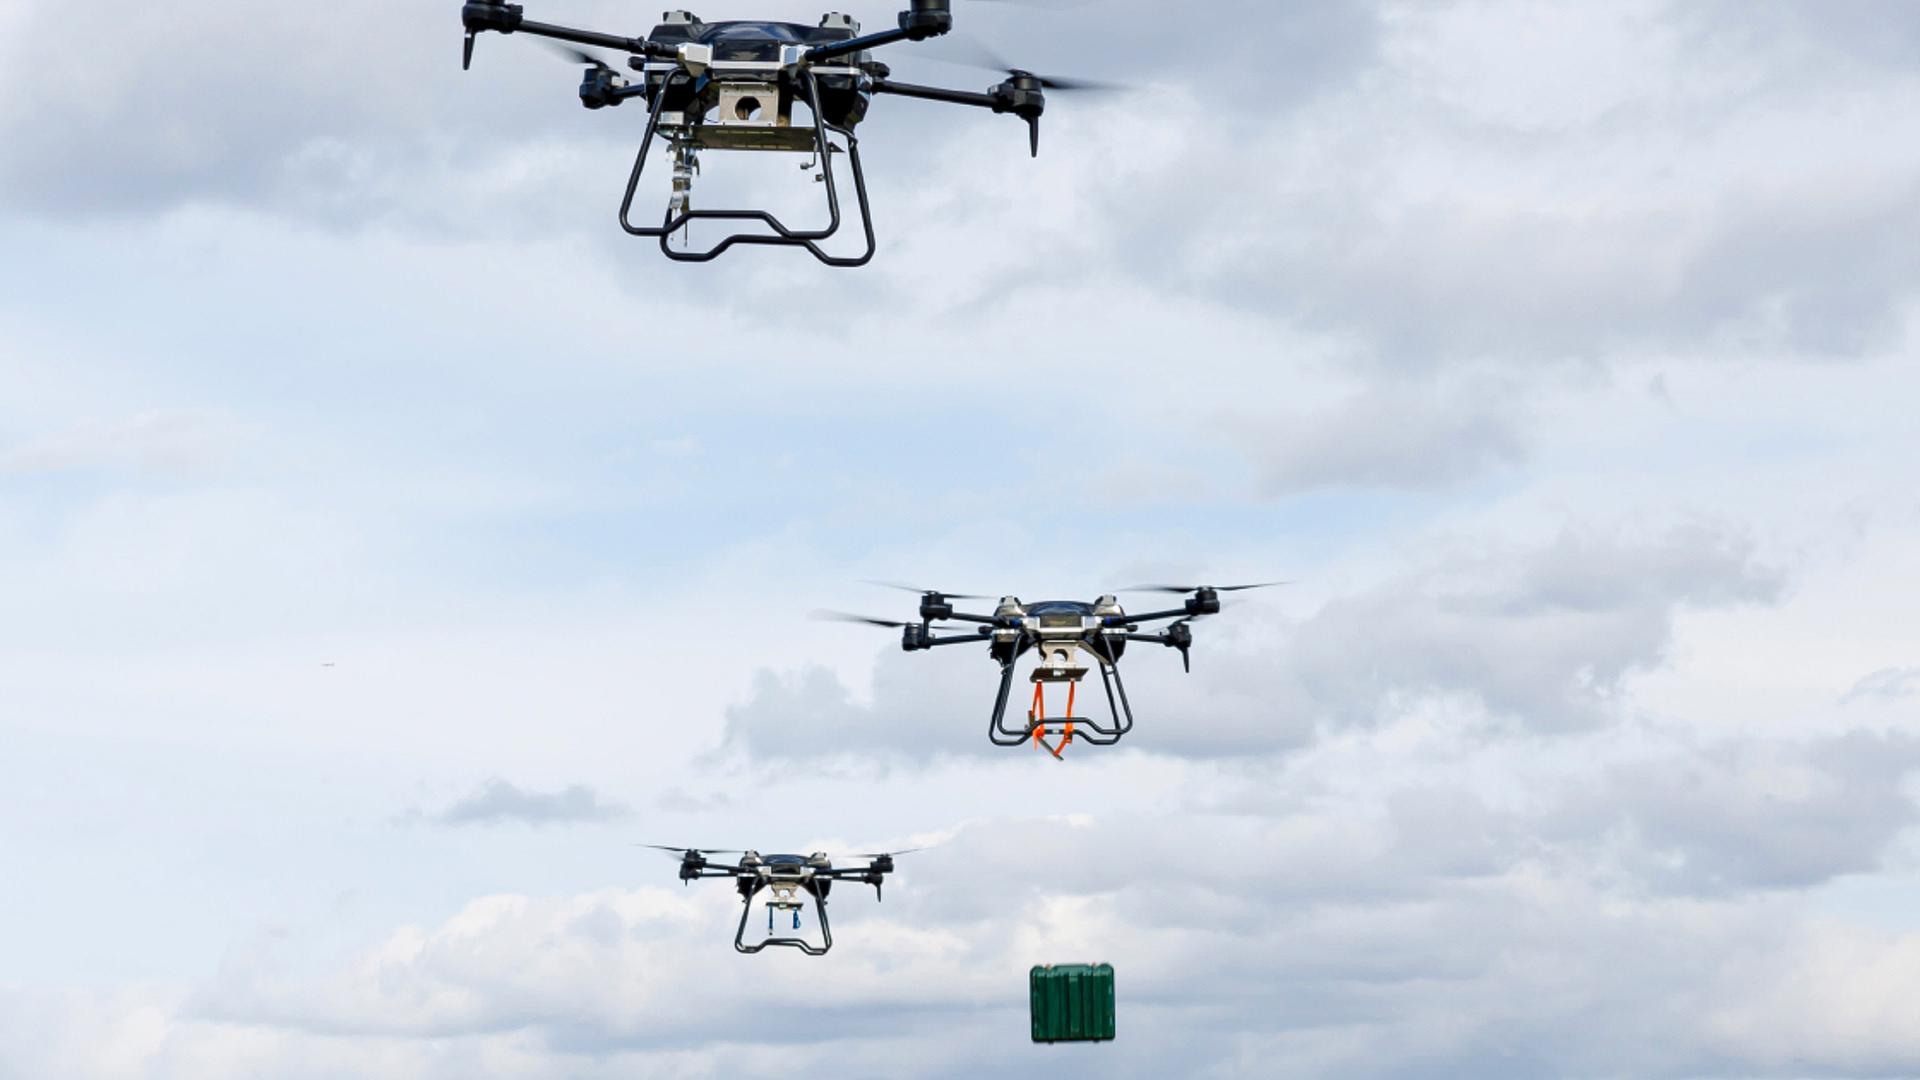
(1071, 1002)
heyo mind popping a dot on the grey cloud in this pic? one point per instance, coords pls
(499, 802)
(1885, 684)
(338, 114)
(1325, 941)
(1754, 815)
(1292, 164)
(342, 115)
(1395, 437)
(1544, 638)
(1675, 219)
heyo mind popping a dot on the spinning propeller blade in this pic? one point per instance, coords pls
(685, 851)
(925, 592)
(841, 616)
(974, 53)
(1197, 588)
(578, 56)
(1044, 5)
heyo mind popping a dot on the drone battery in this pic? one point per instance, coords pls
(1072, 1002)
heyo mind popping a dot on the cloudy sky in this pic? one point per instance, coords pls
(387, 543)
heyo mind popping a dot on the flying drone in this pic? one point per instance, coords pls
(787, 878)
(733, 86)
(1057, 633)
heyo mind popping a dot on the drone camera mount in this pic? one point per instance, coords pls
(785, 898)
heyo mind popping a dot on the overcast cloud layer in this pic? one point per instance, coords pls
(388, 544)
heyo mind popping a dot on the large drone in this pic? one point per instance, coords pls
(787, 878)
(1057, 632)
(733, 86)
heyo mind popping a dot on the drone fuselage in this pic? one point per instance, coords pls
(738, 82)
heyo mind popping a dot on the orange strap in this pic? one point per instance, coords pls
(1068, 740)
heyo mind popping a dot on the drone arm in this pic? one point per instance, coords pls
(1151, 616)
(935, 93)
(854, 45)
(1178, 636)
(868, 875)
(924, 19)
(479, 16)
(634, 46)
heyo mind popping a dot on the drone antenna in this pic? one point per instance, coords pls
(1033, 134)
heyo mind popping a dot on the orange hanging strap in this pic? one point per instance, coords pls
(1068, 739)
(1037, 715)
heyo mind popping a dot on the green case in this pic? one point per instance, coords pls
(1071, 1002)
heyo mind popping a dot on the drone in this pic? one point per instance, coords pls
(1057, 633)
(787, 878)
(733, 86)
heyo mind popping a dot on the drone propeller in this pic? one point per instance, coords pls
(1054, 5)
(887, 854)
(926, 592)
(1197, 588)
(580, 56)
(978, 55)
(1024, 92)
(841, 616)
(686, 851)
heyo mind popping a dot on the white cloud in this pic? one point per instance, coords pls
(317, 349)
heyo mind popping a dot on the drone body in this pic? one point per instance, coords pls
(734, 86)
(790, 880)
(1062, 636)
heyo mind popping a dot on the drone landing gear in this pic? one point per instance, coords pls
(1063, 728)
(679, 215)
(805, 946)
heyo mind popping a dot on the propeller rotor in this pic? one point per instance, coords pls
(915, 589)
(866, 620)
(579, 56)
(887, 854)
(1182, 589)
(688, 852)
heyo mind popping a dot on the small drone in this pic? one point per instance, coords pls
(1058, 631)
(787, 877)
(733, 86)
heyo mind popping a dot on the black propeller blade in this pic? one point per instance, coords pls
(685, 851)
(1196, 588)
(579, 56)
(841, 616)
(926, 592)
(977, 54)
